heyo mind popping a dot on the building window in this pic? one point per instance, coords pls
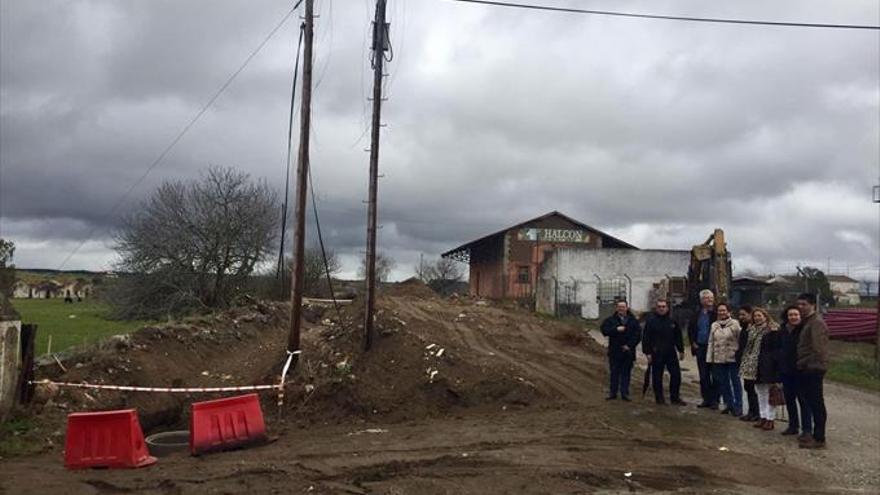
(611, 290)
(523, 275)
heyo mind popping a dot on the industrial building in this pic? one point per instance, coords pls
(561, 265)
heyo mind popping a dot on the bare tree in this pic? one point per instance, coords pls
(193, 244)
(315, 273)
(443, 275)
(384, 265)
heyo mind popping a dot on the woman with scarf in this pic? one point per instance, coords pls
(748, 368)
(768, 366)
(721, 353)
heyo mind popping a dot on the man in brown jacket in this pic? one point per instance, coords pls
(812, 363)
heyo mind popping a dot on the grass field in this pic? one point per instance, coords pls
(69, 324)
(852, 363)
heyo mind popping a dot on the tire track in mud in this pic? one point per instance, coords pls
(561, 384)
(564, 359)
(481, 341)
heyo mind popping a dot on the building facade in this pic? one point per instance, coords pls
(587, 283)
(507, 263)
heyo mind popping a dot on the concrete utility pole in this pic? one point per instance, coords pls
(302, 180)
(380, 45)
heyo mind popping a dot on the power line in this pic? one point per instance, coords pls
(671, 17)
(280, 268)
(186, 128)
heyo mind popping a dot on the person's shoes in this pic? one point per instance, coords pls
(768, 425)
(660, 402)
(704, 405)
(625, 398)
(611, 397)
(759, 424)
(736, 414)
(805, 438)
(812, 443)
(679, 402)
(789, 432)
(727, 410)
(747, 417)
(713, 407)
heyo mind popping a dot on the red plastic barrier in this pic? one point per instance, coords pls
(225, 424)
(107, 439)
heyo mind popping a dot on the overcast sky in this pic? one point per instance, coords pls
(654, 131)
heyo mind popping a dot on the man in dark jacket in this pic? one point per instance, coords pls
(623, 332)
(812, 363)
(664, 347)
(699, 328)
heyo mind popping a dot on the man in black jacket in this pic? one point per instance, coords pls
(699, 328)
(664, 347)
(623, 332)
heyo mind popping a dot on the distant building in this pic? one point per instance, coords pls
(749, 289)
(22, 290)
(780, 290)
(50, 289)
(845, 289)
(505, 264)
(563, 266)
(587, 283)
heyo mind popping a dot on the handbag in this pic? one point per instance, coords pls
(776, 396)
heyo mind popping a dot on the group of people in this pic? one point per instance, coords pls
(774, 363)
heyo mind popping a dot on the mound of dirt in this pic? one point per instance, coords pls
(431, 357)
(415, 369)
(411, 287)
(230, 348)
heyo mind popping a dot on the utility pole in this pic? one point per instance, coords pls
(302, 178)
(876, 198)
(380, 44)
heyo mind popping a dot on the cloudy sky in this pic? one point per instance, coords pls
(655, 131)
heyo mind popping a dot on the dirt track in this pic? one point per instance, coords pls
(521, 410)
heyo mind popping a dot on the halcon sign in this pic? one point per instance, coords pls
(553, 235)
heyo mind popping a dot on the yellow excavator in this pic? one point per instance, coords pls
(710, 268)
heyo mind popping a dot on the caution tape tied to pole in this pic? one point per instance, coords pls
(171, 390)
(174, 390)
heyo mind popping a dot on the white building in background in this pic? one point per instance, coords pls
(845, 289)
(589, 281)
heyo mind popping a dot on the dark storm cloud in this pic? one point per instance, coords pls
(655, 131)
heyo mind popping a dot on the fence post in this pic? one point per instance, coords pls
(26, 375)
(10, 359)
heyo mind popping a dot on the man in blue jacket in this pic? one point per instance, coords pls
(699, 328)
(623, 332)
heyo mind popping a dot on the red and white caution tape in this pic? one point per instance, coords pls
(284, 370)
(172, 390)
(177, 390)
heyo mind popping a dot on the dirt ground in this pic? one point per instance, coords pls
(514, 403)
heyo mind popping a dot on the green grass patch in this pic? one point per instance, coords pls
(14, 438)
(70, 324)
(853, 363)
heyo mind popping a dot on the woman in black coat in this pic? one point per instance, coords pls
(768, 368)
(788, 374)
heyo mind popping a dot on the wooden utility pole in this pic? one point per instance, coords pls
(302, 178)
(380, 44)
(876, 199)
